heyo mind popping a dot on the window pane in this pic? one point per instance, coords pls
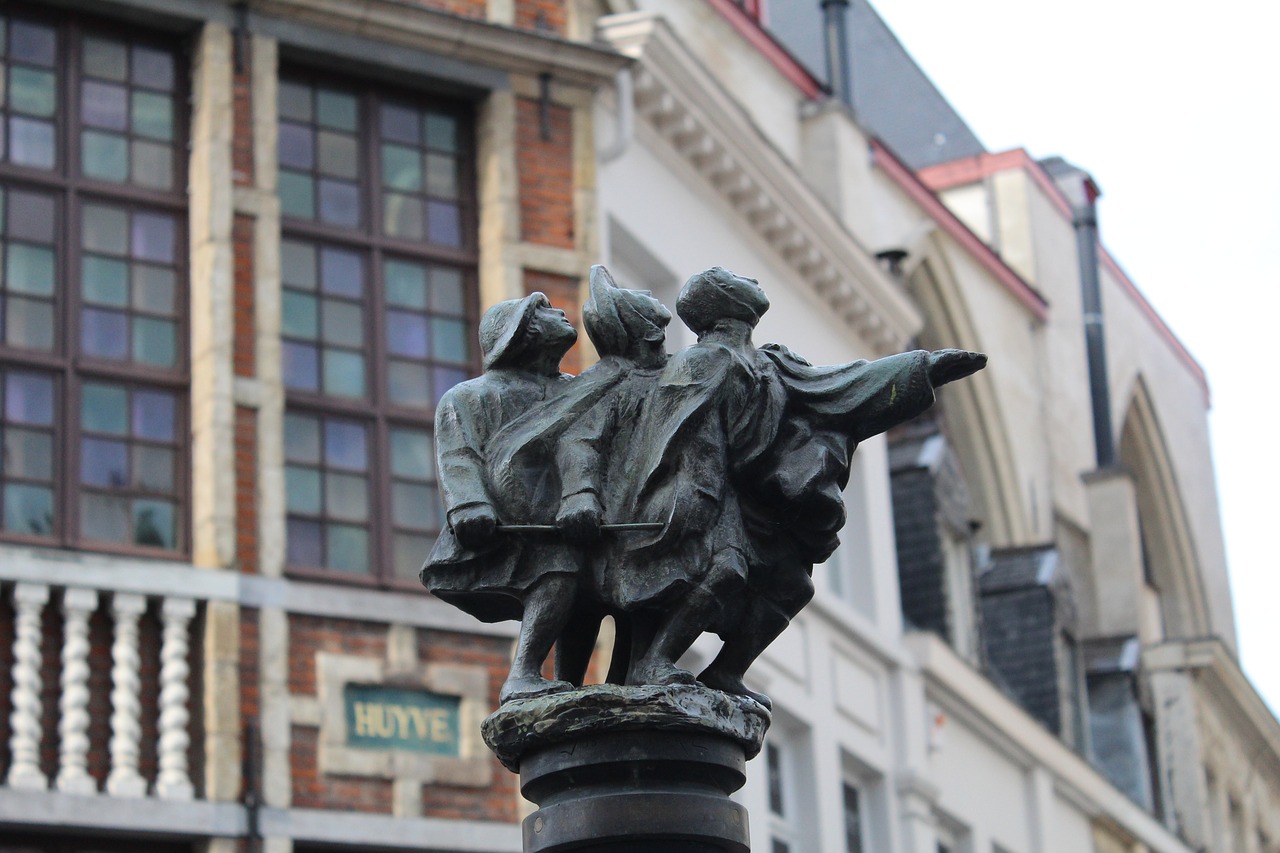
(406, 284)
(152, 115)
(297, 195)
(104, 463)
(442, 132)
(152, 164)
(341, 272)
(28, 453)
(155, 341)
(302, 489)
(338, 154)
(413, 505)
(296, 146)
(348, 548)
(104, 156)
(304, 438)
(400, 124)
(412, 454)
(402, 216)
(298, 262)
(104, 105)
(299, 314)
(445, 223)
(29, 269)
(442, 175)
(444, 378)
(28, 509)
(305, 538)
(28, 323)
(343, 323)
(407, 383)
(104, 517)
(103, 281)
(153, 468)
(410, 552)
(104, 333)
(339, 202)
(343, 373)
(407, 334)
(31, 143)
(294, 101)
(104, 408)
(153, 235)
(301, 366)
(336, 109)
(105, 229)
(154, 415)
(32, 92)
(401, 168)
(344, 445)
(154, 288)
(105, 59)
(448, 339)
(32, 43)
(346, 496)
(28, 398)
(153, 524)
(31, 217)
(152, 69)
(446, 291)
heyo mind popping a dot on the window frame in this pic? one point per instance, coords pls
(66, 362)
(378, 414)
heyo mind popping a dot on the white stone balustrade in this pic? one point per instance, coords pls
(32, 738)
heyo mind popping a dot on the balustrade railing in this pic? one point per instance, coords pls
(152, 719)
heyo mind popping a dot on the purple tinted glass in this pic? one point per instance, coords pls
(154, 415)
(296, 146)
(400, 124)
(341, 272)
(32, 43)
(339, 202)
(152, 69)
(28, 398)
(301, 366)
(407, 334)
(304, 543)
(104, 333)
(153, 237)
(344, 445)
(104, 105)
(31, 142)
(444, 223)
(104, 463)
(445, 378)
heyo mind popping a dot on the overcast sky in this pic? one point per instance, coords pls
(1174, 108)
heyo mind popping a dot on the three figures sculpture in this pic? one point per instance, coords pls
(679, 494)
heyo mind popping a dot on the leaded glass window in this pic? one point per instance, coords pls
(378, 315)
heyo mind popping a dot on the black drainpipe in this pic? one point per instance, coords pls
(835, 35)
(1085, 219)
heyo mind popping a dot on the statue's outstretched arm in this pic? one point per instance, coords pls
(948, 365)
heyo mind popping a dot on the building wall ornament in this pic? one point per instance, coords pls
(73, 705)
(24, 721)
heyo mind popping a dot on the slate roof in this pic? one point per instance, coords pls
(1019, 568)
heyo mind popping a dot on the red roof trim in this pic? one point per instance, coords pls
(969, 170)
(925, 197)
(770, 48)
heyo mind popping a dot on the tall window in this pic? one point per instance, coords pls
(852, 801)
(93, 363)
(378, 298)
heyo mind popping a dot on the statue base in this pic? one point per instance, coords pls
(630, 769)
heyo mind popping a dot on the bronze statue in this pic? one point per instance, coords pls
(684, 494)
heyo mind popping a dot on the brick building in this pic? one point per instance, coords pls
(245, 248)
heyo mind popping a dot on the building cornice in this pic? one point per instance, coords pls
(472, 40)
(969, 170)
(682, 102)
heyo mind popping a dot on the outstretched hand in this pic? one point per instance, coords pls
(579, 518)
(474, 525)
(948, 365)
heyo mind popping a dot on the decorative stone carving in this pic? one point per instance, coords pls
(173, 783)
(126, 707)
(73, 705)
(24, 721)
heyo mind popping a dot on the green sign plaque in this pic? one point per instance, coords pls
(399, 718)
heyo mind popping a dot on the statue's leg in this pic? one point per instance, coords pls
(576, 643)
(547, 608)
(686, 621)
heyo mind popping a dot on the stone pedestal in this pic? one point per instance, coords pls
(630, 769)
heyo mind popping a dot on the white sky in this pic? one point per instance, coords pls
(1174, 107)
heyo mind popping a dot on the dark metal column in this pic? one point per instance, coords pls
(835, 35)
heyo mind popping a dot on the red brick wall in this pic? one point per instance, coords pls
(563, 292)
(544, 15)
(545, 167)
(244, 331)
(246, 471)
(242, 118)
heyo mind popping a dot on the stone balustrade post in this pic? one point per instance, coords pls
(73, 704)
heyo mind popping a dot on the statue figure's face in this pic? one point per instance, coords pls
(551, 327)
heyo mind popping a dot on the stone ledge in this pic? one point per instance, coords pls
(525, 725)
